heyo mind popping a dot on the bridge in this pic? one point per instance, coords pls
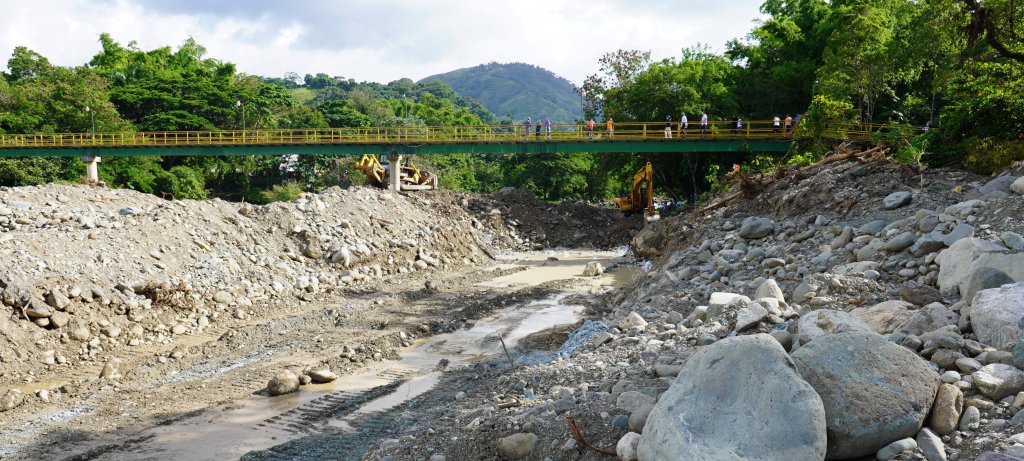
(648, 137)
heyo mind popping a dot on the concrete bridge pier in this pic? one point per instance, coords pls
(92, 168)
(394, 172)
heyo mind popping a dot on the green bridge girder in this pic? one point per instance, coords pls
(653, 146)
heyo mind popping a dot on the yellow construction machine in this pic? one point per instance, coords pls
(641, 199)
(410, 177)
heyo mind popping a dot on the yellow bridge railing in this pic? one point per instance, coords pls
(717, 130)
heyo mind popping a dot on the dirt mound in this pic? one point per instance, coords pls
(563, 225)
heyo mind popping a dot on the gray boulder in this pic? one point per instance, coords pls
(998, 380)
(930, 318)
(822, 322)
(885, 317)
(946, 411)
(875, 392)
(899, 242)
(282, 383)
(1018, 186)
(896, 200)
(958, 262)
(960, 232)
(997, 315)
(1012, 240)
(709, 412)
(769, 289)
(1000, 184)
(984, 278)
(755, 228)
(919, 295)
(872, 227)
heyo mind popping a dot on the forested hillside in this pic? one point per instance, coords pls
(956, 66)
(517, 90)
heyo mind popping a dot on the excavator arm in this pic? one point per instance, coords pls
(641, 197)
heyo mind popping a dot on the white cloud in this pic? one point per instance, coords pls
(379, 40)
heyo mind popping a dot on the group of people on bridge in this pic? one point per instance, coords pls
(788, 124)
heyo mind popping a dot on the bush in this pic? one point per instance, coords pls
(987, 155)
(286, 192)
(190, 183)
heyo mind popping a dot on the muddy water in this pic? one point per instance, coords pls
(259, 422)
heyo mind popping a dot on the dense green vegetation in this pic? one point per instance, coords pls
(516, 90)
(954, 63)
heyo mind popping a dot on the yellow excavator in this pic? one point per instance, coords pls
(410, 177)
(641, 199)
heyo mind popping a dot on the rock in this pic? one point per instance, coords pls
(885, 317)
(38, 311)
(223, 297)
(931, 445)
(997, 315)
(769, 289)
(517, 446)
(322, 375)
(949, 402)
(1000, 184)
(111, 369)
(632, 400)
(60, 319)
(57, 300)
(709, 412)
(891, 450)
(896, 200)
(958, 262)
(784, 338)
(1018, 186)
(872, 228)
(755, 228)
(962, 231)
(627, 446)
(968, 365)
(984, 278)
(638, 418)
(998, 380)
(1012, 240)
(899, 242)
(993, 456)
(667, 371)
(750, 316)
(919, 295)
(822, 322)
(928, 243)
(871, 251)
(874, 391)
(79, 331)
(282, 383)
(633, 320)
(12, 399)
(971, 419)
(928, 319)
(593, 269)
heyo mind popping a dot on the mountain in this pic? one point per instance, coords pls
(516, 89)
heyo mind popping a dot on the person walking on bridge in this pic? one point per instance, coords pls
(538, 130)
(610, 126)
(684, 123)
(789, 124)
(547, 127)
(703, 123)
(739, 126)
(668, 127)
(526, 128)
(590, 128)
(776, 123)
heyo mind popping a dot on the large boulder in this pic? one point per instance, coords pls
(997, 315)
(896, 200)
(822, 322)
(885, 317)
(282, 383)
(709, 412)
(1018, 186)
(983, 278)
(930, 318)
(769, 289)
(755, 228)
(875, 392)
(960, 260)
(998, 380)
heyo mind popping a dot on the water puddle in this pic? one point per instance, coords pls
(260, 422)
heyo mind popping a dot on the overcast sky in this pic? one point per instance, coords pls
(378, 40)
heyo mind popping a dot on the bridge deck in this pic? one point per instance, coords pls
(631, 137)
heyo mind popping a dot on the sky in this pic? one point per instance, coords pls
(378, 40)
